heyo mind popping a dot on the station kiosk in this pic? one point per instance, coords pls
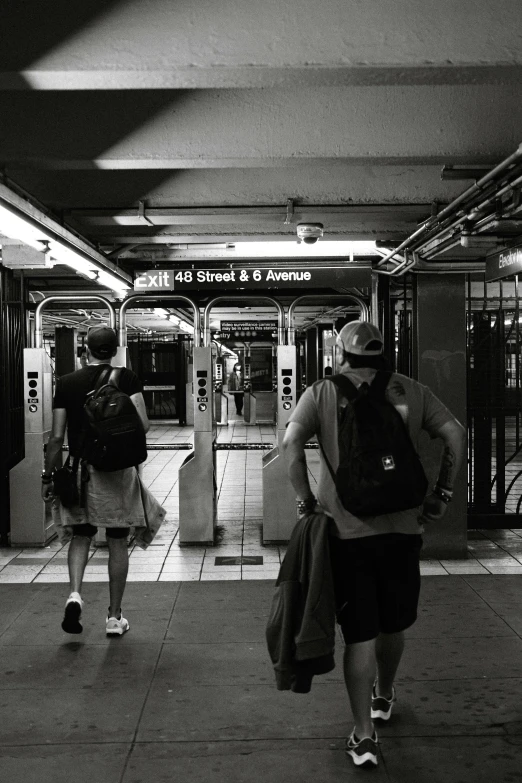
(31, 521)
(279, 509)
(197, 475)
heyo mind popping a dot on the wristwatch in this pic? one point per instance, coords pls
(305, 506)
(444, 494)
(46, 478)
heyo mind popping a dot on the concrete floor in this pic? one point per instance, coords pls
(189, 694)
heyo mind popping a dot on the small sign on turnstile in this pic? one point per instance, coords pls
(33, 400)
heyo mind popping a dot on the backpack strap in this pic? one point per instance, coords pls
(345, 385)
(114, 376)
(380, 382)
(103, 378)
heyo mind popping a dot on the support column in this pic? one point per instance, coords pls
(439, 346)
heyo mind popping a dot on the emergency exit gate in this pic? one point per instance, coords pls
(494, 337)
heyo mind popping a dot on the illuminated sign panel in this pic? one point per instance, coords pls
(155, 280)
(504, 264)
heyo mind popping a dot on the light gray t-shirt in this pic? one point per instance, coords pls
(318, 412)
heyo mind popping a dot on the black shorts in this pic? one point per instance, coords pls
(91, 530)
(377, 584)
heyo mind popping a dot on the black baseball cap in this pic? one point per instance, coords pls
(102, 340)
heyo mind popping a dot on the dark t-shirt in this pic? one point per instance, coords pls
(72, 389)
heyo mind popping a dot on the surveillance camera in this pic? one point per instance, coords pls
(309, 233)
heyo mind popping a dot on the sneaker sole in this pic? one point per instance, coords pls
(117, 631)
(379, 715)
(367, 761)
(71, 621)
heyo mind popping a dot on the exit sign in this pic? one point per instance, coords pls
(249, 278)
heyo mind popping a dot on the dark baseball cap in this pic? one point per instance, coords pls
(102, 340)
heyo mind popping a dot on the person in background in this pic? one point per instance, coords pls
(113, 500)
(235, 387)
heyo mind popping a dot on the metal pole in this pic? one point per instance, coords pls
(143, 297)
(233, 298)
(38, 335)
(365, 312)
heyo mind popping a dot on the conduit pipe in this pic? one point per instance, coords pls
(38, 333)
(161, 297)
(436, 221)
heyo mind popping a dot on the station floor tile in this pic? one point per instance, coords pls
(240, 501)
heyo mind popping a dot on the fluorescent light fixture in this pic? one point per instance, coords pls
(17, 227)
(185, 327)
(161, 311)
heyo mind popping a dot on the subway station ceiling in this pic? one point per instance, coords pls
(173, 132)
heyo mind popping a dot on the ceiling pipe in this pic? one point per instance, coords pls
(435, 221)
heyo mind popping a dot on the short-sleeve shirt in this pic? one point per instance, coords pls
(72, 389)
(318, 412)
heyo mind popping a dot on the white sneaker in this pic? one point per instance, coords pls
(73, 611)
(115, 627)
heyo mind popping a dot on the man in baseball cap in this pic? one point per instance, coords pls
(374, 559)
(102, 342)
(360, 338)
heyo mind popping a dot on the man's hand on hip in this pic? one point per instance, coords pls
(433, 508)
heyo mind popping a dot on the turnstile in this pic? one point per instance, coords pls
(31, 521)
(220, 398)
(279, 508)
(197, 475)
(249, 398)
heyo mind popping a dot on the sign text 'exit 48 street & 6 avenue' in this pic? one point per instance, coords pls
(269, 277)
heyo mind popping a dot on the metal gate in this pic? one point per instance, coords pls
(161, 367)
(11, 387)
(494, 341)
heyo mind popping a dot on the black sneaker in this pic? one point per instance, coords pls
(73, 611)
(364, 751)
(382, 707)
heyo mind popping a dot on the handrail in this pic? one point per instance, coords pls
(38, 332)
(126, 304)
(365, 312)
(235, 298)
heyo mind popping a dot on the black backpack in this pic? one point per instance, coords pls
(114, 437)
(379, 470)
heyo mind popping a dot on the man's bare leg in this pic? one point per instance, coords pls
(118, 569)
(359, 676)
(77, 557)
(388, 651)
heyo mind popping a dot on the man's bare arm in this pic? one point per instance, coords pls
(453, 435)
(293, 448)
(55, 442)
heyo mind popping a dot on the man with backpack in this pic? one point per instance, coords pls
(372, 487)
(104, 412)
